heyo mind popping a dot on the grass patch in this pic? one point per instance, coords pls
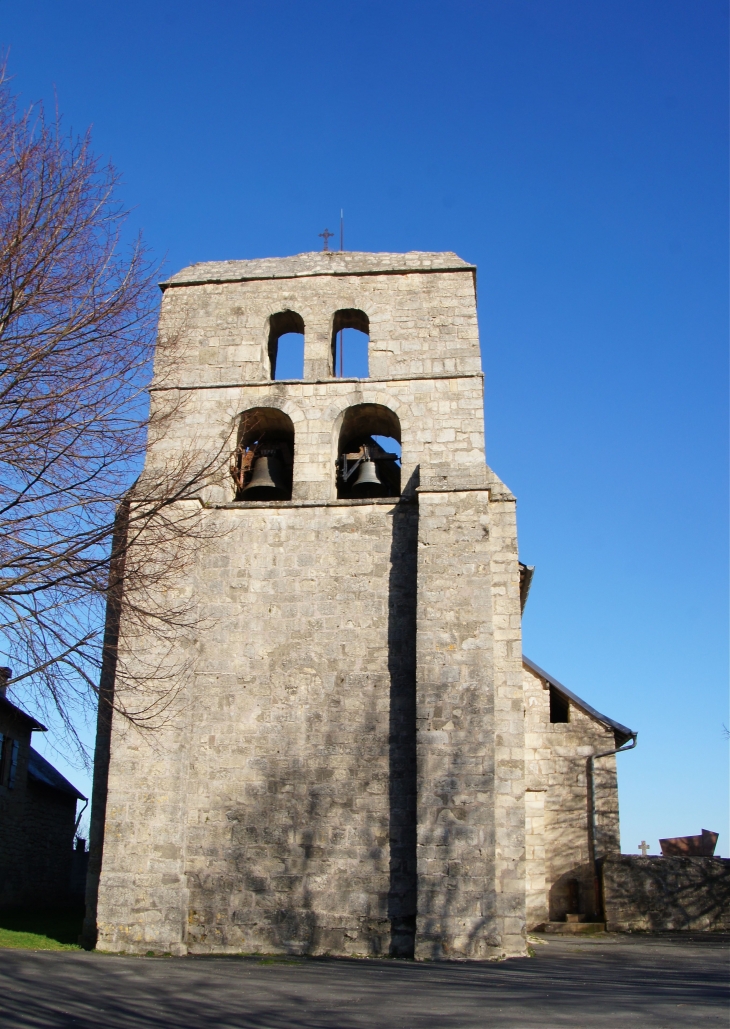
(41, 929)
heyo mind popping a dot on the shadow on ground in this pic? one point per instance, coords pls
(631, 981)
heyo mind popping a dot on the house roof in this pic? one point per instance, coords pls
(623, 734)
(7, 706)
(43, 771)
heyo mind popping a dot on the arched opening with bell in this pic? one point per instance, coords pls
(350, 344)
(263, 461)
(368, 462)
(286, 345)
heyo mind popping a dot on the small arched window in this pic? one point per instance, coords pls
(263, 461)
(368, 463)
(286, 345)
(350, 343)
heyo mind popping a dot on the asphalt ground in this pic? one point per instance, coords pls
(631, 982)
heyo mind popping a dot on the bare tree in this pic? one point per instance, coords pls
(77, 334)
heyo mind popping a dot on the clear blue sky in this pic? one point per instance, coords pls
(577, 153)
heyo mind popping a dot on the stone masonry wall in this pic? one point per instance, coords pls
(36, 835)
(422, 319)
(557, 804)
(298, 697)
(14, 885)
(276, 809)
(470, 728)
(441, 420)
(661, 894)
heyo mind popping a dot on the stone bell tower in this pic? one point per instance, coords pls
(343, 771)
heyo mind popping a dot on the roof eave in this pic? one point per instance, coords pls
(18, 711)
(622, 732)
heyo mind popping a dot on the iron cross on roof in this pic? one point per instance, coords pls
(326, 235)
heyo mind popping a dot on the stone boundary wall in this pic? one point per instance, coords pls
(655, 894)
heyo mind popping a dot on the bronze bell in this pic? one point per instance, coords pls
(367, 483)
(268, 481)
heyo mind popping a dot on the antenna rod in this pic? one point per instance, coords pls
(342, 247)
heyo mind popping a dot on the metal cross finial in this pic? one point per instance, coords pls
(643, 847)
(326, 235)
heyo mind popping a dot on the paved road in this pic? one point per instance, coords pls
(631, 982)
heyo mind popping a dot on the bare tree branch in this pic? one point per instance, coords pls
(78, 312)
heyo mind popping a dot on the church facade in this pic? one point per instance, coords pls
(358, 761)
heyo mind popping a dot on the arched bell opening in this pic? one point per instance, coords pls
(350, 344)
(286, 355)
(368, 462)
(263, 461)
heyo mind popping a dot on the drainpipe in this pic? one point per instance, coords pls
(78, 820)
(590, 781)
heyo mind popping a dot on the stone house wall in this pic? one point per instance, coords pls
(13, 882)
(556, 804)
(36, 841)
(327, 769)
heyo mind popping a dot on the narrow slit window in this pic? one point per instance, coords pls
(350, 344)
(559, 706)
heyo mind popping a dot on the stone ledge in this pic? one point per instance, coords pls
(465, 488)
(418, 377)
(236, 505)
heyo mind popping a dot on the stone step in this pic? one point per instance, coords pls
(570, 928)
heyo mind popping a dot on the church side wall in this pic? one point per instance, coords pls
(15, 884)
(555, 767)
